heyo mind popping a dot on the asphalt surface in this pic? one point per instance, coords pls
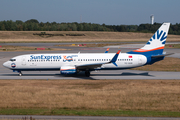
(95, 75)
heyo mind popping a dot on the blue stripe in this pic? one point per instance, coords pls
(149, 54)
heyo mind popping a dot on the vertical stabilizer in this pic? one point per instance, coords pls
(157, 41)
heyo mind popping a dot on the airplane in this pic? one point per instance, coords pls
(72, 63)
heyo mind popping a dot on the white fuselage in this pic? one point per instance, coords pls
(56, 61)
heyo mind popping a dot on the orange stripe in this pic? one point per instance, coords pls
(142, 50)
(69, 69)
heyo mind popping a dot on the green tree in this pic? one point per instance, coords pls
(74, 27)
(53, 28)
(19, 22)
(32, 21)
(35, 27)
(30, 26)
(80, 27)
(25, 27)
(3, 27)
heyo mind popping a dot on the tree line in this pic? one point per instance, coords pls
(35, 25)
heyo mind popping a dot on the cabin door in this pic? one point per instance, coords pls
(140, 60)
(23, 61)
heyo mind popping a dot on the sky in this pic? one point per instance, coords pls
(109, 12)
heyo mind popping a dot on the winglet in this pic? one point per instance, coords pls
(107, 50)
(115, 58)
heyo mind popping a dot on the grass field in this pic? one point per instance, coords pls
(6, 48)
(83, 97)
(173, 46)
(168, 64)
(90, 36)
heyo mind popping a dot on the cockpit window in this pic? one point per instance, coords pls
(12, 60)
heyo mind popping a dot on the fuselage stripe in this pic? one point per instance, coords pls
(143, 50)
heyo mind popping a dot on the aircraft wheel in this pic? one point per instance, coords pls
(87, 73)
(20, 74)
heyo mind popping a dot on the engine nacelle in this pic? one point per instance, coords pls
(65, 70)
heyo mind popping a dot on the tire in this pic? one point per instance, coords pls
(87, 73)
(20, 73)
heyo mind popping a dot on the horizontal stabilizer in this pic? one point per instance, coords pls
(157, 56)
(107, 50)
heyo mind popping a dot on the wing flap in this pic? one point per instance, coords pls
(90, 66)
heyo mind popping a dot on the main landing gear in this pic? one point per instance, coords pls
(87, 73)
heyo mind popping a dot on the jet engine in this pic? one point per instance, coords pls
(65, 70)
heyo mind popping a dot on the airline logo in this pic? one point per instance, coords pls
(156, 42)
(157, 36)
(43, 57)
(13, 65)
(67, 58)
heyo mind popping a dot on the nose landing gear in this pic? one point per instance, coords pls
(20, 73)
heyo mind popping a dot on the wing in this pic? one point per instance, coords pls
(89, 66)
(96, 65)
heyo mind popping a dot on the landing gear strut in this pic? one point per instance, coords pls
(20, 73)
(87, 73)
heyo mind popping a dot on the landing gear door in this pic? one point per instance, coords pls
(23, 61)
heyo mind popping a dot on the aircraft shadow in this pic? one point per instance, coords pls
(82, 76)
(125, 74)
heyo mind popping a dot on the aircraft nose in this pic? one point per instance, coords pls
(5, 64)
